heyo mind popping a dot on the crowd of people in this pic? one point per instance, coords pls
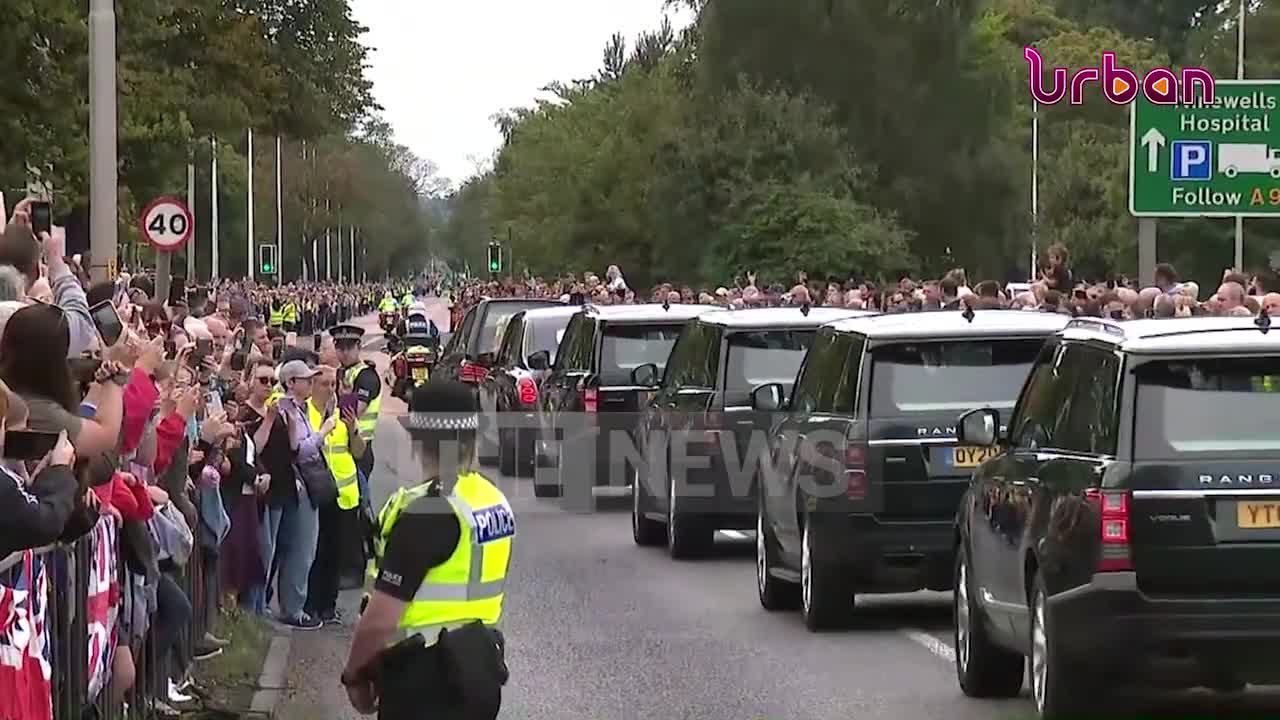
(1055, 290)
(199, 428)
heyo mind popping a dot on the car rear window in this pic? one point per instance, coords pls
(495, 323)
(763, 357)
(1207, 406)
(626, 347)
(547, 333)
(951, 376)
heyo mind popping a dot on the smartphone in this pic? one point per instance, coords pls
(28, 445)
(213, 403)
(315, 342)
(41, 217)
(177, 291)
(348, 401)
(108, 322)
(277, 349)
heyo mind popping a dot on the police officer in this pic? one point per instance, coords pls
(427, 644)
(417, 322)
(358, 377)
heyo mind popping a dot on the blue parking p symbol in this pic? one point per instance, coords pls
(1192, 160)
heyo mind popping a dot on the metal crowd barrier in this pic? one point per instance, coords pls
(67, 633)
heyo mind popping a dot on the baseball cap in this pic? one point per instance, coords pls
(295, 369)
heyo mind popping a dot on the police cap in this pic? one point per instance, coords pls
(346, 333)
(442, 406)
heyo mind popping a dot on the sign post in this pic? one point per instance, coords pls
(1219, 159)
(167, 224)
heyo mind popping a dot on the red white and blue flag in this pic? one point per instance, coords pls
(25, 685)
(102, 604)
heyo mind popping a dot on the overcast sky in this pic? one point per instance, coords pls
(442, 68)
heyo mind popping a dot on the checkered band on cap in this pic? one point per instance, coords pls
(443, 421)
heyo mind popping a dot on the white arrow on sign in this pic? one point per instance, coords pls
(1153, 140)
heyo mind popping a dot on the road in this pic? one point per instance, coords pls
(599, 629)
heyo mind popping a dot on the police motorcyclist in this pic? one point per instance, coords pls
(388, 303)
(417, 322)
(427, 644)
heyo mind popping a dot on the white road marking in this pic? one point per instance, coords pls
(931, 643)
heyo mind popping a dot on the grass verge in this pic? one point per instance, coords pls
(232, 677)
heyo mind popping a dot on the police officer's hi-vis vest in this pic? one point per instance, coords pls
(368, 422)
(277, 316)
(337, 453)
(290, 313)
(469, 585)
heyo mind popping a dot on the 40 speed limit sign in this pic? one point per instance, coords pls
(167, 224)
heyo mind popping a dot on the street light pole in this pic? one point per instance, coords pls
(103, 179)
(1035, 186)
(1239, 257)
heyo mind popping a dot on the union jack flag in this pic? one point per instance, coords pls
(25, 671)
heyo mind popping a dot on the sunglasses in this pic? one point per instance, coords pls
(264, 380)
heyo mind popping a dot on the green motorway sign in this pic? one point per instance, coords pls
(1219, 159)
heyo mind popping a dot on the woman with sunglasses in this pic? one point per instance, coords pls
(269, 435)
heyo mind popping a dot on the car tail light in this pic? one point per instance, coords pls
(855, 470)
(591, 400)
(1113, 508)
(471, 372)
(528, 391)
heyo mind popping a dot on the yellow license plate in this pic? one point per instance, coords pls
(967, 457)
(1258, 514)
(419, 373)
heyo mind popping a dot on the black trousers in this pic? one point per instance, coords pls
(322, 582)
(419, 689)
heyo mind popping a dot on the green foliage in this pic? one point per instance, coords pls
(866, 137)
(189, 70)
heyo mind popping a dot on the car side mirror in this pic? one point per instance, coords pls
(769, 398)
(645, 376)
(979, 427)
(539, 361)
(485, 359)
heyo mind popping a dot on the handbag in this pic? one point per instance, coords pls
(317, 478)
(173, 536)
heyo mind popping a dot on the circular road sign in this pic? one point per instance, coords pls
(167, 224)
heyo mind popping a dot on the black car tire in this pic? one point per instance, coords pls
(506, 454)
(775, 593)
(687, 536)
(984, 669)
(826, 597)
(645, 531)
(1064, 691)
(523, 449)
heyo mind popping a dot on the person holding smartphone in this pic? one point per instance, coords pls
(36, 509)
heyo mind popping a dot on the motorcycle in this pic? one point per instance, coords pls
(412, 367)
(387, 321)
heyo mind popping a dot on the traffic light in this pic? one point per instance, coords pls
(495, 258)
(267, 259)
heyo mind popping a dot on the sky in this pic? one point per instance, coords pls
(441, 69)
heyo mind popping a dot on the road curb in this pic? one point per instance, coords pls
(273, 682)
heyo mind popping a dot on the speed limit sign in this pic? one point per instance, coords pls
(167, 224)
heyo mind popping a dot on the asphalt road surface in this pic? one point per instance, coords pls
(599, 629)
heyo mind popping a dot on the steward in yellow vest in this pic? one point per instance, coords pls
(337, 546)
(428, 643)
(290, 316)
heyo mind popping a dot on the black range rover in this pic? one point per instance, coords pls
(702, 411)
(589, 402)
(1128, 530)
(866, 472)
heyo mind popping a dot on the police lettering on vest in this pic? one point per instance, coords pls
(494, 523)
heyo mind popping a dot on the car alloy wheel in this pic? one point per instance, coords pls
(1039, 654)
(962, 617)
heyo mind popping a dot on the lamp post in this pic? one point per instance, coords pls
(103, 179)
